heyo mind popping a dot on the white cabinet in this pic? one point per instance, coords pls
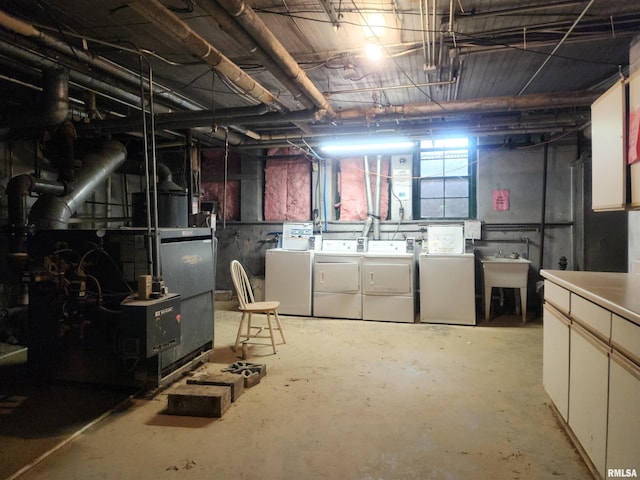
(447, 289)
(608, 150)
(555, 358)
(591, 364)
(623, 441)
(288, 280)
(588, 394)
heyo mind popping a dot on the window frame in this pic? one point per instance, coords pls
(470, 176)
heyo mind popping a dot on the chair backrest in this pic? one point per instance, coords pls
(241, 283)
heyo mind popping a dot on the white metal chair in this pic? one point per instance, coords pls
(248, 306)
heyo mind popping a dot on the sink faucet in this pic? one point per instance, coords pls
(499, 254)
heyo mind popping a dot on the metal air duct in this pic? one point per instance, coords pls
(51, 110)
(53, 212)
(29, 31)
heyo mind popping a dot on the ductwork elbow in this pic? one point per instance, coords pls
(165, 180)
(53, 212)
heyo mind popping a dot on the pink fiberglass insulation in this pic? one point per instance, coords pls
(353, 197)
(214, 192)
(287, 189)
(212, 182)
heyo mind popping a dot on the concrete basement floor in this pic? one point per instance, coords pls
(348, 399)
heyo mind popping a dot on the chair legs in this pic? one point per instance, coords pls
(279, 326)
(245, 333)
(240, 333)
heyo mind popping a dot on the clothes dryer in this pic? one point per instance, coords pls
(388, 281)
(337, 280)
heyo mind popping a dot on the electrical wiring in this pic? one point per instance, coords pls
(398, 66)
(490, 41)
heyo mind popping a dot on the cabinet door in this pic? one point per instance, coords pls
(623, 441)
(555, 358)
(608, 150)
(588, 394)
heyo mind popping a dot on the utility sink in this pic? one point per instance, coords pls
(504, 260)
(505, 272)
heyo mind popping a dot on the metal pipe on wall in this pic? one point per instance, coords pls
(367, 188)
(543, 213)
(376, 213)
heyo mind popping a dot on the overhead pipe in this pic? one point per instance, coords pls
(536, 101)
(426, 45)
(440, 83)
(20, 27)
(250, 21)
(376, 213)
(119, 94)
(54, 212)
(367, 188)
(175, 27)
(229, 25)
(175, 120)
(355, 116)
(234, 118)
(52, 109)
(515, 10)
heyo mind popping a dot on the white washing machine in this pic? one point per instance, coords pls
(288, 279)
(447, 288)
(336, 279)
(388, 281)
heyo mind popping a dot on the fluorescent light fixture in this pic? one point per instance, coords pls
(370, 148)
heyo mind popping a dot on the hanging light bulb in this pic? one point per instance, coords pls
(374, 52)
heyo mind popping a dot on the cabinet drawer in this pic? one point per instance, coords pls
(625, 337)
(557, 296)
(591, 316)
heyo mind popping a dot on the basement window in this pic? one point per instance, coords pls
(445, 183)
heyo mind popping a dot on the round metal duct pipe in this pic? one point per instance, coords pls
(51, 110)
(52, 212)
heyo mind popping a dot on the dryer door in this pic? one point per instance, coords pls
(387, 278)
(339, 277)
